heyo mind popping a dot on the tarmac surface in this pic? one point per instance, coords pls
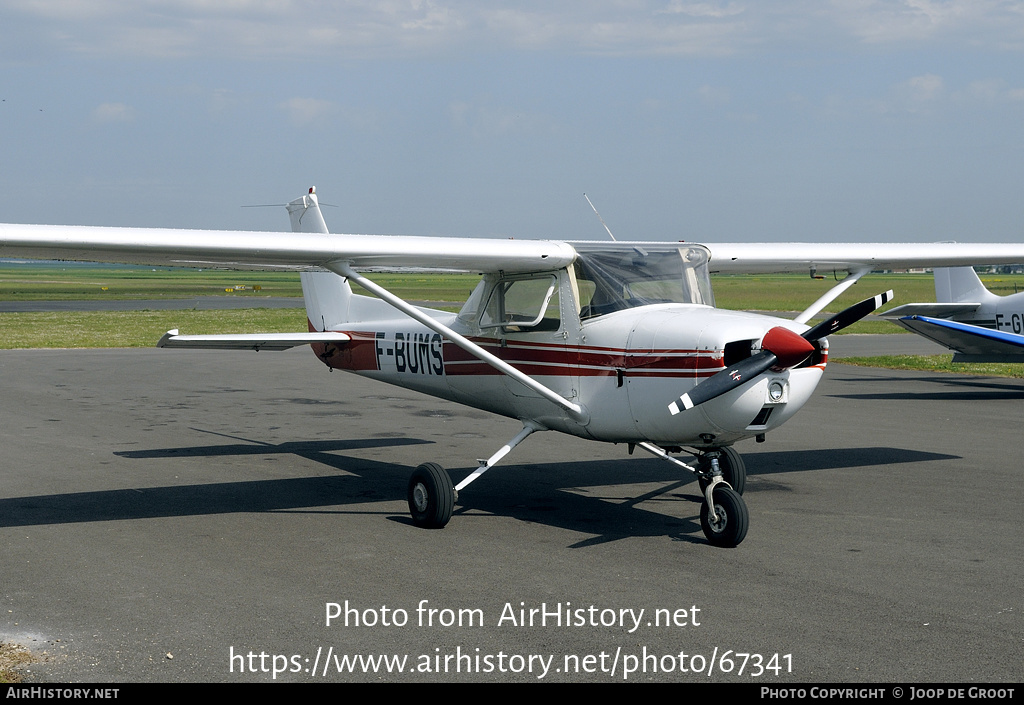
(868, 345)
(192, 515)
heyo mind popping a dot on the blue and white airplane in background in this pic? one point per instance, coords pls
(976, 324)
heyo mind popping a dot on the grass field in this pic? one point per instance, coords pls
(78, 282)
(137, 329)
(84, 282)
(937, 363)
(71, 281)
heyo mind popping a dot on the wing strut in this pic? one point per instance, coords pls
(832, 294)
(345, 270)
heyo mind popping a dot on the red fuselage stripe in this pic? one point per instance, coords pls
(542, 359)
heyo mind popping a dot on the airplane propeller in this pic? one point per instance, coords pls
(848, 316)
(781, 349)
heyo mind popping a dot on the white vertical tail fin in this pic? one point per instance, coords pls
(327, 295)
(960, 285)
(305, 214)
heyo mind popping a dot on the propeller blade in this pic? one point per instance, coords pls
(848, 316)
(728, 379)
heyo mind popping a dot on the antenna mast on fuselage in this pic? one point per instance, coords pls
(601, 219)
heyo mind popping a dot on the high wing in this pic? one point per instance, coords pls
(269, 250)
(763, 258)
(276, 250)
(857, 259)
(972, 343)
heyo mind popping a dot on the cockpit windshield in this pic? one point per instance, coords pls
(614, 279)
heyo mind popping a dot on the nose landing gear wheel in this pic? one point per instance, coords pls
(431, 496)
(730, 526)
(734, 470)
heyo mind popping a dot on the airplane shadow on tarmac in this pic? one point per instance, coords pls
(593, 497)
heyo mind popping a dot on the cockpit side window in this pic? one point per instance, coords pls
(524, 303)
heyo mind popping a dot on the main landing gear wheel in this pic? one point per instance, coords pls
(431, 496)
(734, 470)
(732, 521)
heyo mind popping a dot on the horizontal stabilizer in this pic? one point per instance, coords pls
(253, 341)
(939, 310)
(965, 338)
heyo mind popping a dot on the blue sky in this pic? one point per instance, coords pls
(714, 121)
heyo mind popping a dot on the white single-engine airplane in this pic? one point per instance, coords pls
(609, 341)
(976, 324)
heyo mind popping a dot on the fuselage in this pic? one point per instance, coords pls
(621, 335)
(623, 368)
(1004, 314)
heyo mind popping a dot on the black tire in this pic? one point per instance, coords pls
(734, 470)
(733, 519)
(431, 496)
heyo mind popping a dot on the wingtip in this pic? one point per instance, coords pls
(166, 337)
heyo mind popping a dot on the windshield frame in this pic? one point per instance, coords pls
(607, 278)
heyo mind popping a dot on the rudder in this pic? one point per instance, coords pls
(326, 294)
